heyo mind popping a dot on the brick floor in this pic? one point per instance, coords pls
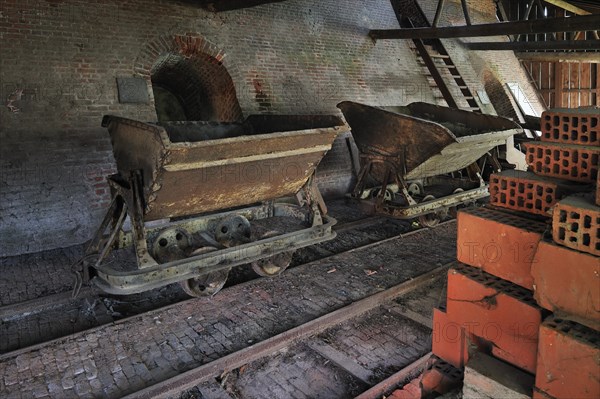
(126, 356)
(294, 373)
(31, 276)
(21, 332)
(382, 342)
(87, 313)
(377, 343)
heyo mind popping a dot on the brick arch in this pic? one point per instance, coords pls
(197, 72)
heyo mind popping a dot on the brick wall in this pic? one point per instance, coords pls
(297, 56)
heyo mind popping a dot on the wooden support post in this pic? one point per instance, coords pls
(438, 13)
(465, 9)
(526, 16)
(558, 86)
(502, 11)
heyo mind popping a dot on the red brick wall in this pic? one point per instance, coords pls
(297, 57)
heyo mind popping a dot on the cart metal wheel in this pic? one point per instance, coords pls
(233, 230)
(414, 189)
(207, 284)
(171, 244)
(430, 219)
(387, 196)
(273, 265)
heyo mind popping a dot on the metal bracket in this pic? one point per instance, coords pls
(474, 172)
(391, 165)
(126, 200)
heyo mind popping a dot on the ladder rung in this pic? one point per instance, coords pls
(439, 56)
(470, 108)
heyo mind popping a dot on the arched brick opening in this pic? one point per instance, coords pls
(189, 80)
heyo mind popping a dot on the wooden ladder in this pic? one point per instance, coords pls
(433, 50)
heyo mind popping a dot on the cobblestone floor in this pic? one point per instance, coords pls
(341, 362)
(296, 372)
(31, 276)
(128, 355)
(24, 331)
(84, 313)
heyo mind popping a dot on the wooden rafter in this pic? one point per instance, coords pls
(545, 25)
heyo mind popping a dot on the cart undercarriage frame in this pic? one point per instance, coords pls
(188, 197)
(400, 151)
(152, 274)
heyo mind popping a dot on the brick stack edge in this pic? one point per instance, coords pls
(598, 189)
(526, 287)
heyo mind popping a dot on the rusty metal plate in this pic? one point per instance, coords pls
(426, 140)
(133, 90)
(197, 176)
(395, 134)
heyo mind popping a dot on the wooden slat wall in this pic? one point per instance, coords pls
(578, 82)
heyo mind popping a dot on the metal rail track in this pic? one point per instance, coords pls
(182, 382)
(37, 305)
(379, 390)
(13, 312)
(33, 306)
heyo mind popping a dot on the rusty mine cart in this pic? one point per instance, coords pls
(202, 197)
(424, 160)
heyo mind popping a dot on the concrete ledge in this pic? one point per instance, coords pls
(487, 377)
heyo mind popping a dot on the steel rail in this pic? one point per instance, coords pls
(189, 379)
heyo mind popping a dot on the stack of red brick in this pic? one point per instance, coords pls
(523, 292)
(440, 377)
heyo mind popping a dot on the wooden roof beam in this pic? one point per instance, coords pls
(560, 24)
(558, 56)
(568, 6)
(541, 45)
